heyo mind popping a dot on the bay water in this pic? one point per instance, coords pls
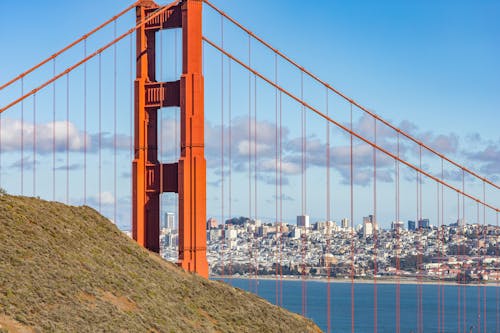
(467, 308)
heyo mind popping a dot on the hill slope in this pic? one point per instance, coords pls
(68, 269)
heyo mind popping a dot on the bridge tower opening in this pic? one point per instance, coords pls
(187, 177)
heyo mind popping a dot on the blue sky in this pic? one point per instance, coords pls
(429, 66)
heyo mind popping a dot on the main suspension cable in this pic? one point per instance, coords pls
(345, 128)
(69, 46)
(316, 78)
(87, 58)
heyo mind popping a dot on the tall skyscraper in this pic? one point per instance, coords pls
(303, 221)
(411, 225)
(344, 223)
(169, 221)
(368, 226)
(424, 224)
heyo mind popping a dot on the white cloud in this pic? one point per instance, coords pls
(59, 135)
(106, 199)
(286, 166)
(246, 147)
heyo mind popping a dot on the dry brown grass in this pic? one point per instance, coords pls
(10, 325)
(121, 302)
(68, 269)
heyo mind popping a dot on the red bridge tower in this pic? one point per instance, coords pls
(150, 178)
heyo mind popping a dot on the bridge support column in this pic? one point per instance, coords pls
(192, 165)
(187, 177)
(145, 180)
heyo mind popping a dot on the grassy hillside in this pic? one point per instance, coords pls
(68, 269)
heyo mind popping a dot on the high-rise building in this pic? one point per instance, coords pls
(303, 221)
(325, 227)
(344, 223)
(367, 229)
(411, 225)
(368, 226)
(172, 240)
(262, 230)
(296, 233)
(169, 221)
(424, 224)
(397, 225)
(330, 227)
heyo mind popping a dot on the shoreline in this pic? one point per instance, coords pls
(403, 281)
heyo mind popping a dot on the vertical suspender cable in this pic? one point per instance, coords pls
(34, 144)
(22, 137)
(85, 124)
(305, 185)
(440, 237)
(352, 224)
(229, 140)
(303, 173)
(280, 150)
(375, 238)
(229, 150)
(255, 148)
(67, 137)
(222, 142)
(442, 249)
(419, 248)
(479, 285)
(420, 287)
(255, 162)
(276, 170)
(54, 133)
(278, 188)
(464, 293)
(440, 252)
(485, 231)
(249, 130)
(497, 286)
(329, 221)
(100, 131)
(398, 243)
(114, 125)
(459, 275)
(439, 244)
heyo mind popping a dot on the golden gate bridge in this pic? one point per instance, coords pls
(154, 81)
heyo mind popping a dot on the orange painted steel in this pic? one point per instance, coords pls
(192, 164)
(69, 46)
(351, 101)
(349, 131)
(150, 178)
(145, 167)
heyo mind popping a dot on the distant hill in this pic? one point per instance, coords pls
(68, 269)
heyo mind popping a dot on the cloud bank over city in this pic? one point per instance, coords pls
(481, 155)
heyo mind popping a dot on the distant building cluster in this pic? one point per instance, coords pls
(252, 246)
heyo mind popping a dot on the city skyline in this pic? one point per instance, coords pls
(418, 72)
